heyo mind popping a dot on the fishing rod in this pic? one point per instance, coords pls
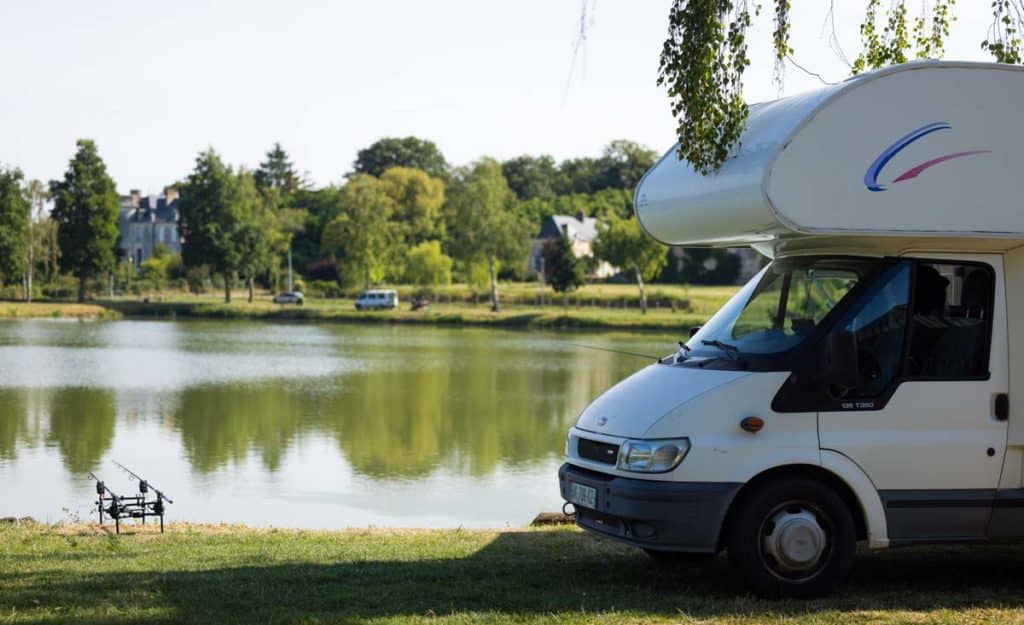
(613, 351)
(144, 485)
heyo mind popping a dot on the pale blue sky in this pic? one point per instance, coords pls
(154, 82)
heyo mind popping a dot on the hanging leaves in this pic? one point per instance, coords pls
(1004, 35)
(702, 64)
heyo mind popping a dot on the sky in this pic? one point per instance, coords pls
(155, 82)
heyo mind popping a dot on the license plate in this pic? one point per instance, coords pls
(582, 495)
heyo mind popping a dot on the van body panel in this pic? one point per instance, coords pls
(867, 496)
(632, 406)
(908, 150)
(720, 451)
(1014, 260)
(935, 452)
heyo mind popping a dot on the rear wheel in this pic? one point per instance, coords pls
(793, 537)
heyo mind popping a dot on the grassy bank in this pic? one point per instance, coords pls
(234, 575)
(59, 310)
(437, 314)
(595, 306)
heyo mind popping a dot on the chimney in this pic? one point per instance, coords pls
(171, 194)
(136, 197)
(580, 215)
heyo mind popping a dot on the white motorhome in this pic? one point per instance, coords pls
(862, 386)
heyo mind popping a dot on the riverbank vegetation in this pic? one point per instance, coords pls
(595, 306)
(214, 574)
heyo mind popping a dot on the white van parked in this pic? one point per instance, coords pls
(860, 387)
(377, 298)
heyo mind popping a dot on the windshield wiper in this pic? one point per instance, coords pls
(731, 350)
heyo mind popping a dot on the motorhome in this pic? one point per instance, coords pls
(864, 385)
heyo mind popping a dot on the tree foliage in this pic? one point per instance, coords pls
(212, 216)
(563, 270)
(15, 213)
(401, 152)
(278, 172)
(623, 244)
(426, 265)
(419, 199)
(86, 208)
(484, 228)
(362, 237)
(705, 55)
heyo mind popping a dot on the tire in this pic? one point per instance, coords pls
(677, 558)
(793, 537)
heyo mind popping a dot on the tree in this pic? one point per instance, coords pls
(86, 208)
(15, 215)
(624, 163)
(705, 55)
(362, 237)
(427, 265)
(278, 172)
(485, 228)
(563, 270)
(622, 243)
(211, 217)
(42, 234)
(401, 152)
(155, 268)
(260, 239)
(532, 177)
(419, 199)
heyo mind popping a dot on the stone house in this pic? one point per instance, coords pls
(580, 230)
(148, 221)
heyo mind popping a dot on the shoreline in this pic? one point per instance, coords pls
(447, 315)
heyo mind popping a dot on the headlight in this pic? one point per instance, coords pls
(652, 456)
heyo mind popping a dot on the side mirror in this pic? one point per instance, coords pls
(694, 330)
(843, 371)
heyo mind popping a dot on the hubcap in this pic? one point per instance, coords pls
(794, 540)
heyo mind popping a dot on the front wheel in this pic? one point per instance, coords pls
(793, 537)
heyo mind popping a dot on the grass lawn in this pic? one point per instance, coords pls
(64, 310)
(235, 575)
(594, 306)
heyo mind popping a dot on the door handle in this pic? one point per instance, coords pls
(1002, 407)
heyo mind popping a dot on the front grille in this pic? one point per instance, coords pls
(598, 452)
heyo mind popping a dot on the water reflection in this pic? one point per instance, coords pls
(452, 411)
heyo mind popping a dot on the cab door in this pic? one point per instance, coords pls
(922, 424)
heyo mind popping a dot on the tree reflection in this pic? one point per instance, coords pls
(81, 425)
(222, 423)
(463, 405)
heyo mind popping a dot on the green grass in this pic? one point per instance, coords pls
(594, 306)
(236, 575)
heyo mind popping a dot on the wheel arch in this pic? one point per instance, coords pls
(821, 474)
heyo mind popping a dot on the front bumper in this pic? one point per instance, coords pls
(671, 516)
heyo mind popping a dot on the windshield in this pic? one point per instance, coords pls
(781, 306)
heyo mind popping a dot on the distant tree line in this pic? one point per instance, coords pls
(403, 214)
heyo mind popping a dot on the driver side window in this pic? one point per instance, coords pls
(879, 324)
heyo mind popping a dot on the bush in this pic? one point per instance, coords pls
(322, 288)
(427, 265)
(197, 277)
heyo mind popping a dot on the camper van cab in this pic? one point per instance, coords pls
(861, 387)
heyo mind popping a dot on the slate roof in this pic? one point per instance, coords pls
(575, 228)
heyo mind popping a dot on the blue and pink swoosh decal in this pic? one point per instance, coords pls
(871, 175)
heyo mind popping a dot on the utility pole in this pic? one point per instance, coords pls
(290, 286)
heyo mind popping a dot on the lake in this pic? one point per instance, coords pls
(298, 425)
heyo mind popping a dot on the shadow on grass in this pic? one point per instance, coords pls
(521, 575)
